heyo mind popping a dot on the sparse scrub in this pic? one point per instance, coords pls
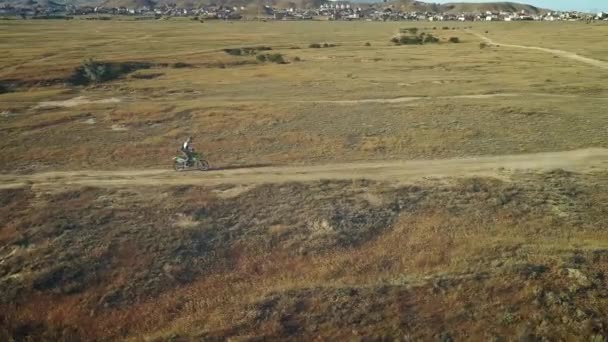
(407, 39)
(483, 45)
(91, 71)
(246, 51)
(261, 58)
(368, 44)
(273, 58)
(319, 45)
(454, 40)
(180, 65)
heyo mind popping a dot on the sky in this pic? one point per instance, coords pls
(579, 5)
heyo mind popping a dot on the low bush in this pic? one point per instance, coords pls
(454, 40)
(91, 71)
(368, 44)
(431, 39)
(233, 52)
(261, 58)
(275, 58)
(180, 65)
(407, 39)
(318, 45)
(297, 59)
(246, 51)
(272, 57)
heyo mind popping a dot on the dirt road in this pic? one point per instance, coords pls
(398, 171)
(561, 53)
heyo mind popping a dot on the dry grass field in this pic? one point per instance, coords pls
(331, 238)
(242, 112)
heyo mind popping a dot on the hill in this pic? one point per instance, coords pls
(465, 7)
(404, 5)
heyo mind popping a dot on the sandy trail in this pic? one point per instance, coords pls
(594, 159)
(561, 53)
(470, 96)
(77, 101)
(82, 100)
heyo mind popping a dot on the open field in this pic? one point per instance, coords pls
(358, 191)
(243, 112)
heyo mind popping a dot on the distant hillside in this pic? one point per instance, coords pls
(404, 5)
(464, 7)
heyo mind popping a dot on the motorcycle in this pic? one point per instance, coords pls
(180, 163)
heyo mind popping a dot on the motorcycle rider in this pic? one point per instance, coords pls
(188, 150)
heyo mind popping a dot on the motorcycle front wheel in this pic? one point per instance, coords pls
(177, 166)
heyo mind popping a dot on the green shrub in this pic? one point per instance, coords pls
(261, 58)
(431, 39)
(454, 40)
(247, 50)
(483, 45)
(368, 44)
(233, 52)
(180, 65)
(318, 45)
(91, 71)
(409, 40)
(272, 57)
(445, 28)
(276, 58)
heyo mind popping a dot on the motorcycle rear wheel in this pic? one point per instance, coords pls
(202, 165)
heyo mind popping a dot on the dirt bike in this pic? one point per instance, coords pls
(180, 163)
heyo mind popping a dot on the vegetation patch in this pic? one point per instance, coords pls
(320, 46)
(180, 65)
(91, 71)
(454, 40)
(246, 51)
(4, 88)
(271, 57)
(414, 39)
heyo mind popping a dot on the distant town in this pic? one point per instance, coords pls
(332, 10)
